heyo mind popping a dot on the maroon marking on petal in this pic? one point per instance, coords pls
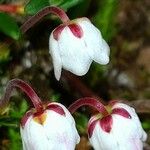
(76, 30)
(106, 123)
(122, 112)
(91, 127)
(58, 109)
(57, 31)
(25, 118)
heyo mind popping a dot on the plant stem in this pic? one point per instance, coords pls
(45, 11)
(90, 102)
(24, 87)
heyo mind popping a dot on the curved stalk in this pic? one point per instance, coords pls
(45, 11)
(25, 88)
(90, 102)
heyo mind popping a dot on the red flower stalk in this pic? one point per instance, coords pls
(45, 11)
(25, 88)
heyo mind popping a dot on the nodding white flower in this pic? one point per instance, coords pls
(121, 130)
(75, 44)
(52, 129)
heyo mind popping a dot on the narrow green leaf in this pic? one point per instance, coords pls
(56, 2)
(105, 18)
(35, 5)
(8, 26)
(69, 3)
(4, 52)
(82, 121)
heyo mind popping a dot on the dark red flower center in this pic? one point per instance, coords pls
(40, 117)
(107, 121)
(74, 28)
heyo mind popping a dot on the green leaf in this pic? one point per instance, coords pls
(82, 121)
(34, 6)
(8, 26)
(15, 139)
(69, 3)
(4, 52)
(56, 2)
(105, 18)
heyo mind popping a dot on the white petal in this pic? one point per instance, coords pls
(126, 134)
(137, 127)
(98, 48)
(57, 132)
(32, 139)
(54, 51)
(102, 140)
(73, 53)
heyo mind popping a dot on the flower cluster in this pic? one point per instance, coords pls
(50, 126)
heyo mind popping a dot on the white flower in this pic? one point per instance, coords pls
(121, 130)
(74, 46)
(52, 129)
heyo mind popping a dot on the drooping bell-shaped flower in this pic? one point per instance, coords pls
(52, 129)
(120, 130)
(45, 127)
(74, 45)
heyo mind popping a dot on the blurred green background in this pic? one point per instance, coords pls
(124, 24)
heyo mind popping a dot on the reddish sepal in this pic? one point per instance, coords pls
(113, 102)
(58, 109)
(25, 118)
(121, 112)
(106, 123)
(91, 128)
(57, 31)
(76, 30)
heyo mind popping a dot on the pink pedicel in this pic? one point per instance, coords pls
(43, 12)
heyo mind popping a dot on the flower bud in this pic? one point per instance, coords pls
(51, 129)
(73, 46)
(120, 130)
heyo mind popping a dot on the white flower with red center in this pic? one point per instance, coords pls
(45, 127)
(116, 126)
(120, 130)
(73, 46)
(52, 129)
